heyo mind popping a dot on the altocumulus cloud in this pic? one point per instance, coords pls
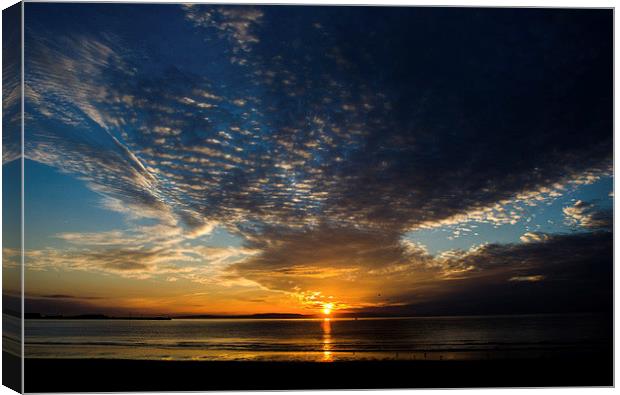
(587, 215)
(321, 157)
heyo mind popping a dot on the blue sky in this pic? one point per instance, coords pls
(297, 156)
(546, 217)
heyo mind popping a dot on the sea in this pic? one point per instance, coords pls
(322, 339)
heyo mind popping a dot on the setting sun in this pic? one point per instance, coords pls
(327, 308)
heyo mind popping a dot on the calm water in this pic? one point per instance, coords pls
(321, 340)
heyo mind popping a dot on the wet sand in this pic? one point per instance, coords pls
(83, 375)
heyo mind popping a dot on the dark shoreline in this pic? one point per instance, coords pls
(103, 375)
(287, 316)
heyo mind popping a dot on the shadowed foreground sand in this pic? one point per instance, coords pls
(65, 375)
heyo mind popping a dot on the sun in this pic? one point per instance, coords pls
(327, 308)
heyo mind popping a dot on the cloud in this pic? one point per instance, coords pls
(358, 270)
(115, 237)
(321, 157)
(532, 278)
(129, 262)
(235, 24)
(11, 92)
(317, 264)
(142, 253)
(530, 237)
(587, 215)
(276, 163)
(202, 229)
(564, 273)
(63, 296)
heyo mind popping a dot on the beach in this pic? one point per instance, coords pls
(101, 375)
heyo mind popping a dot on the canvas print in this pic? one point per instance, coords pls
(221, 196)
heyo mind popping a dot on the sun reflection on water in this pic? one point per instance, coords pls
(327, 340)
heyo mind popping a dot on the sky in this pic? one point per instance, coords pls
(205, 159)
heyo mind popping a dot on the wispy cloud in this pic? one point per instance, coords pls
(321, 157)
